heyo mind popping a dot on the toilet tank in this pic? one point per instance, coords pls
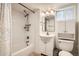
(66, 45)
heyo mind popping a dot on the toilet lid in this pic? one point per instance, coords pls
(64, 53)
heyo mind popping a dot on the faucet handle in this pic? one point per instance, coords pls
(47, 33)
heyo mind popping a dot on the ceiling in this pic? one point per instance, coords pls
(42, 6)
(46, 5)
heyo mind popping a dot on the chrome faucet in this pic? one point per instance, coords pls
(47, 33)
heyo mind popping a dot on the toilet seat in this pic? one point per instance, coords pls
(64, 53)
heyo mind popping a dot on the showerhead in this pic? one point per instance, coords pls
(26, 14)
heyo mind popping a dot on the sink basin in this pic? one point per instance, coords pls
(46, 38)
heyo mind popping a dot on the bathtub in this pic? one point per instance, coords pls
(25, 52)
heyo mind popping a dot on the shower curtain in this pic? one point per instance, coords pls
(6, 22)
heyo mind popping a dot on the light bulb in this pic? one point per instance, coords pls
(43, 13)
(47, 12)
(52, 12)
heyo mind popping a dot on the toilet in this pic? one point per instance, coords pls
(64, 53)
(66, 47)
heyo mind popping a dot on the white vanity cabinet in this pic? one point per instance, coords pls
(50, 47)
(47, 48)
(65, 19)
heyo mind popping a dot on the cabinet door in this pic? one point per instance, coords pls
(47, 49)
(50, 47)
(42, 47)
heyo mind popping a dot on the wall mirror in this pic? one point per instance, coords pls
(48, 23)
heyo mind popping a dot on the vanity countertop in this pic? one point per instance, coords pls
(47, 35)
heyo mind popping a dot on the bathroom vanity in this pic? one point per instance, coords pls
(47, 44)
(47, 34)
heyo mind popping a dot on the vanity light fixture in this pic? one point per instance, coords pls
(52, 12)
(43, 13)
(48, 12)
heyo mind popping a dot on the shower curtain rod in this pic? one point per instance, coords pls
(26, 7)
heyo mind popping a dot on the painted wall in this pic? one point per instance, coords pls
(78, 25)
(19, 35)
(0, 21)
(75, 49)
(34, 29)
(18, 32)
(37, 30)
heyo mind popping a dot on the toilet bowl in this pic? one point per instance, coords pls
(65, 53)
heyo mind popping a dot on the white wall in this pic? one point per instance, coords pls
(34, 29)
(78, 25)
(19, 35)
(37, 30)
(18, 32)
